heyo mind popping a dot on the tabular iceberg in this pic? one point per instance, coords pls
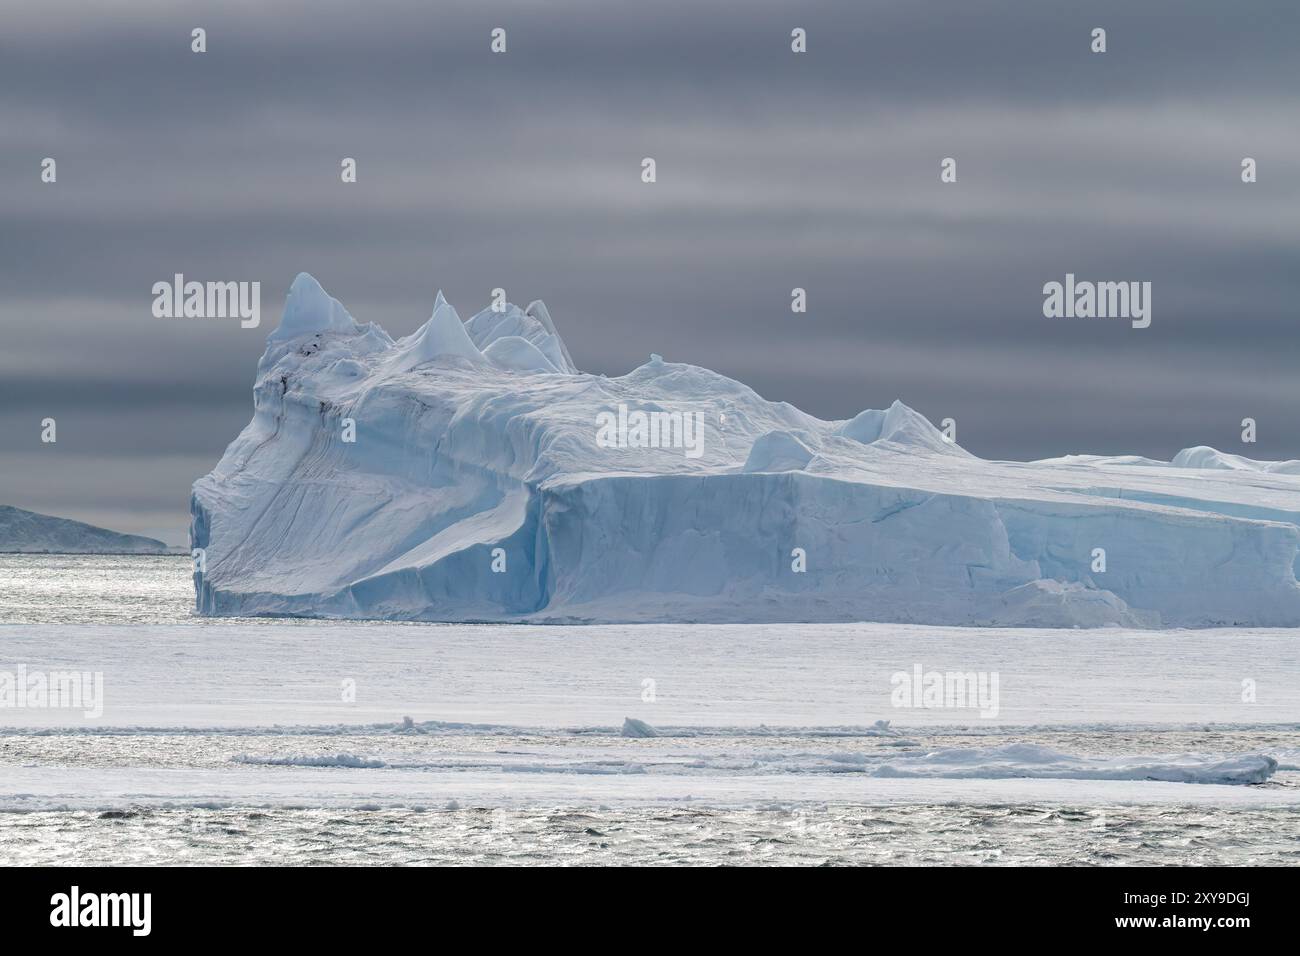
(470, 472)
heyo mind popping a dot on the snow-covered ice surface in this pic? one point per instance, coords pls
(480, 440)
(230, 740)
(388, 715)
(832, 677)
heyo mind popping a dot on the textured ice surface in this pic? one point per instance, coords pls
(476, 449)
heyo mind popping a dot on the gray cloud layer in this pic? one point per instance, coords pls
(775, 170)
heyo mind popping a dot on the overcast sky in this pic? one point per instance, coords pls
(775, 170)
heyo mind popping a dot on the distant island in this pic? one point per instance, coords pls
(26, 532)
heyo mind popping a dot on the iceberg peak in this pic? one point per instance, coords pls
(1203, 456)
(309, 310)
(537, 310)
(533, 325)
(899, 424)
(443, 334)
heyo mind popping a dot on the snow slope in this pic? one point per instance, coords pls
(28, 532)
(489, 480)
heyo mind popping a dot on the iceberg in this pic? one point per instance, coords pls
(637, 728)
(461, 474)
(27, 532)
(1043, 763)
(311, 760)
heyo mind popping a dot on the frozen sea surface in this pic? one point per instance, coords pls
(327, 742)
